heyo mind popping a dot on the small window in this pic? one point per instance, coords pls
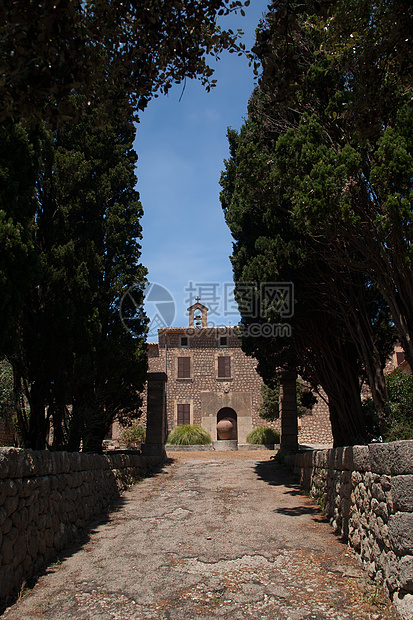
(223, 341)
(184, 367)
(224, 367)
(184, 341)
(400, 356)
(183, 416)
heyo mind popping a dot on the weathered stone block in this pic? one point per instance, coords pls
(7, 525)
(43, 461)
(361, 458)
(57, 463)
(330, 459)
(402, 457)
(378, 492)
(320, 458)
(348, 458)
(9, 488)
(19, 553)
(401, 533)
(392, 458)
(385, 483)
(11, 504)
(7, 549)
(33, 508)
(383, 511)
(406, 573)
(27, 565)
(403, 602)
(402, 493)
(4, 464)
(338, 458)
(75, 461)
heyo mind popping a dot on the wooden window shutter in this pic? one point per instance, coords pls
(183, 414)
(224, 366)
(184, 367)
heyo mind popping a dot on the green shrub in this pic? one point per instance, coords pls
(135, 433)
(7, 404)
(269, 409)
(189, 435)
(263, 435)
(399, 424)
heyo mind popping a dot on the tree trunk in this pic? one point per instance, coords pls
(288, 411)
(38, 424)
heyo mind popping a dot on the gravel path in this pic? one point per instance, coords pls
(212, 536)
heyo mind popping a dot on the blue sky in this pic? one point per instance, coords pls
(181, 147)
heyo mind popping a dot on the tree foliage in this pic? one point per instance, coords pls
(69, 216)
(317, 191)
(399, 423)
(270, 409)
(6, 390)
(345, 107)
(75, 360)
(19, 168)
(134, 434)
(49, 50)
(271, 247)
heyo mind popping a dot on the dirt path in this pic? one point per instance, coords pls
(211, 536)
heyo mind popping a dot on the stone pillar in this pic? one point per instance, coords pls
(155, 417)
(288, 412)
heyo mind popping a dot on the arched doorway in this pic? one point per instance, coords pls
(226, 413)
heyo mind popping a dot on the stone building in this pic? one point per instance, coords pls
(210, 378)
(7, 433)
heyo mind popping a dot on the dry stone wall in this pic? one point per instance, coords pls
(47, 497)
(367, 494)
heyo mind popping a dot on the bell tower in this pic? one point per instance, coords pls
(197, 314)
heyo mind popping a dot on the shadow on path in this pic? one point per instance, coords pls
(275, 474)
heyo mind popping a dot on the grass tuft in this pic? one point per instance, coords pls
(263, 435)
(189, 435)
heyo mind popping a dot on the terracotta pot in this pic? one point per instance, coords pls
(224, 429)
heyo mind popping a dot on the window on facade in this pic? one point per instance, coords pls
(184, 367)
(399, 357)
(184, 341)
(223, 341)
(224, 366)
(183, 416)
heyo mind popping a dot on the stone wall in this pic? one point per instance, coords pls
(6, 433)
(47, 497)
(367, 494)
(314, 427)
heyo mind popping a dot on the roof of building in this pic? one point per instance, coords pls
(222, 329)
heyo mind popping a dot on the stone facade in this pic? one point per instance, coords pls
(208, 395)
(367, 494)
(197, 393)
(314, 427)
(7, 434)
